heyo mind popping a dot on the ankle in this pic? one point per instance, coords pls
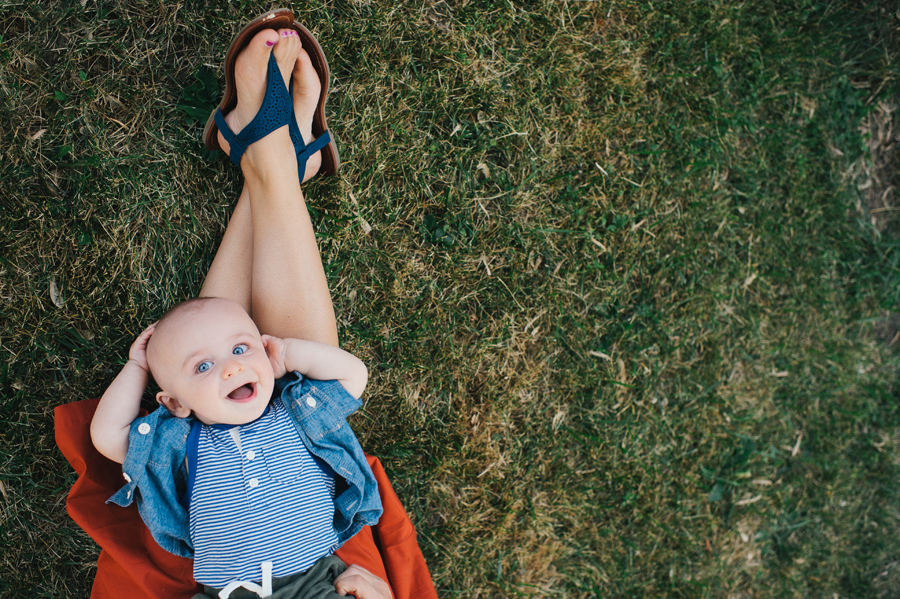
(270, 158)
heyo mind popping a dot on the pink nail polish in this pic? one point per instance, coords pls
(270, 44)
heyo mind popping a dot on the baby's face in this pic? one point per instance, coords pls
(212, 362)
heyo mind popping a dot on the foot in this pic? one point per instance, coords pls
(250, 79)
(307, 88)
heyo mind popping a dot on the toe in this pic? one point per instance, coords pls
(305, 78)
(286, 51)
(262, 43)
(250, 66)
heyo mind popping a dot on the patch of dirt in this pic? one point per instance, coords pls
(876, 176)
(887, 328)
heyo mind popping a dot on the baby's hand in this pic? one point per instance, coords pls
(276, 350)
(362, 584)
(138, 351)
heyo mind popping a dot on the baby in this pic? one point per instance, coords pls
(251, 468)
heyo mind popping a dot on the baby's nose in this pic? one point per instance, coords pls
(232, 369)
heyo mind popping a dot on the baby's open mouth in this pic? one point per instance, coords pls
(243, 392)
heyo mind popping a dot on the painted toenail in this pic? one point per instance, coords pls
(270, 44)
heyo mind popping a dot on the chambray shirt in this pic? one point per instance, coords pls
(156, 476)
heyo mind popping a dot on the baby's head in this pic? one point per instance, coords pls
(208, 359)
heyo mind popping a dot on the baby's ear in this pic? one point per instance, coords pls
(172, 404)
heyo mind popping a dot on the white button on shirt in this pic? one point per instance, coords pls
(144, 428)
(311, 402)
(250, 455)
(254, 482)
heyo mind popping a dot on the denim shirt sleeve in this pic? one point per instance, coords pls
(319, 410)
(155, 476)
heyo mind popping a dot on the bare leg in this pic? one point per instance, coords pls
(269, 261)
(230, 274)
(289, 290)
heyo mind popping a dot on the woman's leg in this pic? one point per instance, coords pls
(230, 274)
(269, 261)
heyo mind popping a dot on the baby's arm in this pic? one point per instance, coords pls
(317, 361)
(121, 402)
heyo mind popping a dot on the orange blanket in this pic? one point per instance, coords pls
(132, 565)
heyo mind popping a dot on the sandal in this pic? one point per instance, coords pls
(281, 19)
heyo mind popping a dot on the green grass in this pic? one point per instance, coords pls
(629, 300)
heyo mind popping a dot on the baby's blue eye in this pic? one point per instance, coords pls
(238, 350)
(204, 366)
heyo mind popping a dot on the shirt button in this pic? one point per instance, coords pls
(311, 402)
(250, 455)
(144, 428)
(127, 478)
(254, 482)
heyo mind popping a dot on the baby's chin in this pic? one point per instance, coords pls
(243, 415)
(255, 406)
(231, 420)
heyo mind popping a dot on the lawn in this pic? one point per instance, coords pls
(626, 275)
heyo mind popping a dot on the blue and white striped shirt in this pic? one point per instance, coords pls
(257, 495)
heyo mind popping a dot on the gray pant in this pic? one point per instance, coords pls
(315, 583)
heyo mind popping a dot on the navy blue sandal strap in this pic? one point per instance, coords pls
(235, 149)
(276, 111)
(293, 127)
(317, 144)
(304, 154)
